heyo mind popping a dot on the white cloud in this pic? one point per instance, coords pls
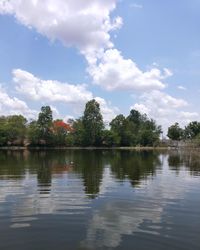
(136, 6)
(48, 90)
(83, 24)
(164, 108)
(14, 106)
(113, 72)
(86, 25)
(188, 116)
(181, 87)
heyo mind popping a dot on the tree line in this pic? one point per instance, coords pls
(89, 130)
(190, 132)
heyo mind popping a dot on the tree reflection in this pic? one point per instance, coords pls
(134, 165)
(190, 159)
(12, 164)
(174, 161)
(89, 163)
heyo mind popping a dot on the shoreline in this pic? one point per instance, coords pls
(84, 148)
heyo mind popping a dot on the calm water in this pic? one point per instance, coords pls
(99, 199)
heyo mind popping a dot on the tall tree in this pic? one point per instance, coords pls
(34, 133)
(92, 124)
(119, 125)
(175, 132)
(192, 130)
(3, 131)
(45, 120)
(135, 117)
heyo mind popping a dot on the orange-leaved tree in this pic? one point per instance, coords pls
(60, 131)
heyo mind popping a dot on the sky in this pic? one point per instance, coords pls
(127, 54)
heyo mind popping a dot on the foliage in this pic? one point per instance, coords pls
(34, 133)
(60, 130)
(110, 138)
(134, 130)
(192, 130)
(92, 124)
(175, 132)
(12, 130)
(45, 121)
(78, 133)
(118, 127)
(3, 131)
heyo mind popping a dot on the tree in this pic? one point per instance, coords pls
(136, 118)
(16, 129)
(149, 132)
(192, 130)
(3, 131)
(119, 126)
(110, 138)
(92, 124)
(175, 132)
(60, 131)
(34, 133)
(12, 130)
(78, 133)
(45, 120)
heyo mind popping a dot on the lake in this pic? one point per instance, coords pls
(99, 199)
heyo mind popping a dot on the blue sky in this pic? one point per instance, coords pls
(127, 54)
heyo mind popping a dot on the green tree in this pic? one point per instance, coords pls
(110, 138)
(192, 130)
(175, 132)
(149, 133)
(77, 136)
(92, 124)
(15, 129)
(3, 131)
(12, 130)
(119, 126)
(45, 120)
(34, 133)
(136, 118)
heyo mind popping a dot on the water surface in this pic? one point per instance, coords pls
(101, 199)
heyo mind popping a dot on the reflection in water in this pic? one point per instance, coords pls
(131, 165)
(110, 194)
(90, 166)
(134, 165)
(185, 159)
(12, 164)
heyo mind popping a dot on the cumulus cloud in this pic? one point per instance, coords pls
(14, 106)
(83, 24)
(164, 108)
(48, 90)
(113, 72)
(86, 25)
